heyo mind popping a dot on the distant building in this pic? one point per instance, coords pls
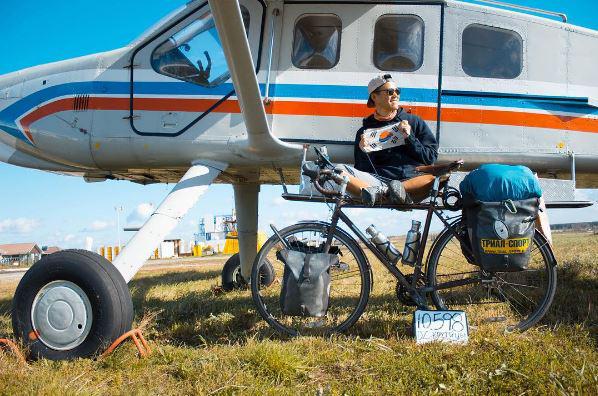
(20, 253)
(575, 227)
(49, 250)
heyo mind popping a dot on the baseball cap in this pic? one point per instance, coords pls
(376, 83)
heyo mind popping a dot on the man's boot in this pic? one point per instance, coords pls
(373, 195)
(397, 193)
(393, 193)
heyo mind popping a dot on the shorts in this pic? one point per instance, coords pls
(307, 188)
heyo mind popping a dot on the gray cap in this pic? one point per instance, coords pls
(376, 83)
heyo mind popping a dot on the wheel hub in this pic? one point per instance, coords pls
(61, 315)
(238, 278)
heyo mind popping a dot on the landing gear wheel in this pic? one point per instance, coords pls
(232, 278)
(71, 304)
(403, 295)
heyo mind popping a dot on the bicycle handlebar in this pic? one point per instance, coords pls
(330, 174)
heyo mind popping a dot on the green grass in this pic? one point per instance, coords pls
(216, 344)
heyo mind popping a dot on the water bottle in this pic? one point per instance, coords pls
(383, 244)
(412, 244)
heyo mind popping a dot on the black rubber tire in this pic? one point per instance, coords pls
(128, 312)
(361, 263)
(546, 270)
(107, 291)
(231, 274)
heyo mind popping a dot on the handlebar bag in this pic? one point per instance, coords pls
(501, 233)
(306, 283)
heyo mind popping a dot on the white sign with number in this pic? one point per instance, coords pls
(444, 326)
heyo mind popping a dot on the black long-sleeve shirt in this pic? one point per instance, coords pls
(398, 163)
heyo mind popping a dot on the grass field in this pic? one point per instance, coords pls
(216, 344)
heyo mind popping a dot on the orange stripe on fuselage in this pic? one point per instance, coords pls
(300, 108)
(515, 118)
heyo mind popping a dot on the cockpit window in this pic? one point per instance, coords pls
(194, 54)
(317, 41)
(491, 52)
(399, 43)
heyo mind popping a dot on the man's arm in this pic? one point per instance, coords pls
(421, 143)
(361, 160)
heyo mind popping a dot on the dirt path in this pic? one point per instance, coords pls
(11, 275)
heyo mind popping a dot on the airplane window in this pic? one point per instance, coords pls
(194, 54)
(399, 43)
(316, 43)
(491, 52)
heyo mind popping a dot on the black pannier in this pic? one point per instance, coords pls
(306, 282)
(501, 233)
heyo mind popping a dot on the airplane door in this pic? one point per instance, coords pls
(331, 49)
(180, 74)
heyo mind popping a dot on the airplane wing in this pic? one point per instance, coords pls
(260, 143)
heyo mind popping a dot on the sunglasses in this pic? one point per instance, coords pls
(390, 91)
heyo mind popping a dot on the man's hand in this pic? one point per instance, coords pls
(405, 129)
(362, 144)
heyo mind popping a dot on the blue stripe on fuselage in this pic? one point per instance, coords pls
(295, 91)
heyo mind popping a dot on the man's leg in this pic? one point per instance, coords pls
(359, 180)
(372, 190)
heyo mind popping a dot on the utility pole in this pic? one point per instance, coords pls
(118, 209)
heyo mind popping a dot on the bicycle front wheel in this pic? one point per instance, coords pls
(350, 281)
(514, 300)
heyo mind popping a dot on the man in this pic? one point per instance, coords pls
(396, 163)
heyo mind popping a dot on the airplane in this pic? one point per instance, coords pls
(229, 91)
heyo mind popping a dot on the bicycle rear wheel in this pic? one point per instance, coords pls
(350, 281)
(514, 300)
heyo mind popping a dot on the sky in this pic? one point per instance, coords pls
(51, 209)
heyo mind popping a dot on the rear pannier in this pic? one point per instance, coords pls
(500, 207)
(501, 233)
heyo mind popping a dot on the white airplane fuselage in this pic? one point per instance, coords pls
(113, 115)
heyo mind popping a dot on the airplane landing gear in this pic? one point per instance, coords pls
(232, 278)
(71, 304)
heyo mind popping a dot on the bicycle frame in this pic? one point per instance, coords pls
(432, 208)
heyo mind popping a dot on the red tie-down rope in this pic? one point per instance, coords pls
(138, 339)
(6, 343)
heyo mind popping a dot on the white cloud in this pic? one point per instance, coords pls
(278, 201)
(69, 237)
(98, 225)
(20, 225)
(141, 213)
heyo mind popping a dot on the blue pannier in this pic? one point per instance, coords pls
(496, 183)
